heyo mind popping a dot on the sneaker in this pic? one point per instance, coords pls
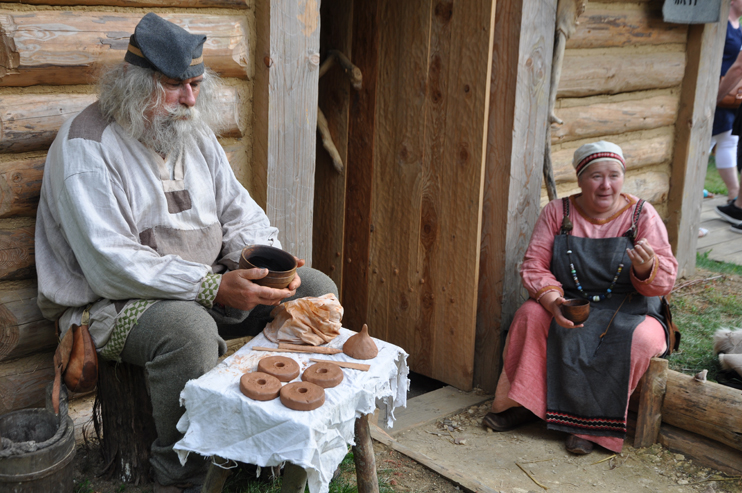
(730, 213)
(737, 228)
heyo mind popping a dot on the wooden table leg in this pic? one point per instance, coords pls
(216, 476)
(363, 455)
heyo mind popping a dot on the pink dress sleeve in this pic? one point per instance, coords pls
(536, 267)
(662, 278)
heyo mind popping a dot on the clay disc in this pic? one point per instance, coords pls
(283, 368)
(302, 396)
(326, 375)
(260, 386)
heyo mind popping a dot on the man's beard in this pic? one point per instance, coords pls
(172, 128)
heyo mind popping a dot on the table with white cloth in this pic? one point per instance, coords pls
(220, 422)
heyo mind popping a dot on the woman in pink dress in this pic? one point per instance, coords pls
(612, 249)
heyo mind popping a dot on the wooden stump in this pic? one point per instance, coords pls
(124, 412)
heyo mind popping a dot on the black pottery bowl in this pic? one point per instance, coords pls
(281, 265)
(576, 310)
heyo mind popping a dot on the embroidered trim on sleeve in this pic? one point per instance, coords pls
(652, 274)
(546, 289)
(207, 292)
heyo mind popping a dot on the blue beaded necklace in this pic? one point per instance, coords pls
(598, 297)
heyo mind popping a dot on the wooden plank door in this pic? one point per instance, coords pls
(417, 284)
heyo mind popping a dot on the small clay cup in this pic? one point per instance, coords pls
(576, 310)
(281, 265)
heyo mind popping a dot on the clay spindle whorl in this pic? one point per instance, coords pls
(361, 346)
(283, 368)
(326, 375)
(302, 396)
(260, 386)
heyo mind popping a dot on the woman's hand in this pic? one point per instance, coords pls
(238, 291)
(642, 258)
(552, 302)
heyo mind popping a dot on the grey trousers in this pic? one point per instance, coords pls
(176, 341)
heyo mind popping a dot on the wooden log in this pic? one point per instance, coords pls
(23, 381)
(17, 254)
(638, 153)
(124, 410)
(649, 415)
(613, 117)
(29, 122)
(230, 4)
(705, 408)
(20, 183)
(23, 330)
(53, 47)
(706, 452)
(363, 457)
(587, 73)
(600, 27)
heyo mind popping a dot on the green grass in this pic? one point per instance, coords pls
(714, 183)
(699, 312)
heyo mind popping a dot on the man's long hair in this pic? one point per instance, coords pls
(128, 94)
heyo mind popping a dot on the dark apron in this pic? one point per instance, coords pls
(588, 375)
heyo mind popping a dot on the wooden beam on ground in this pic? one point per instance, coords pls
(517, 120)
(228, 4)
(705, 408)
(649, 415)
(589, 118)
(292, 122)
(432, 406)
(705, 451)
(601, 27)
(467, 482)
(693, 137)
(69, 47)
(23, 329)
(335, 93)
(359, 167)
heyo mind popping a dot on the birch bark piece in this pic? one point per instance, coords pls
(326, 375)
(302, 396)
(283, 368)
(260, 386)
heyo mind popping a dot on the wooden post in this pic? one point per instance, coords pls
(363, 456)
(649, 416)
(523, 45)
(216, 476)
(693, 138)
(293, 68)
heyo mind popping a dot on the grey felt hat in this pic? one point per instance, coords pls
(161, 45)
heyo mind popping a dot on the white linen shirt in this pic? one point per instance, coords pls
(116, 223)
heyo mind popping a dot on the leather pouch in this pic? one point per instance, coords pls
(75, 361)
(674, 333)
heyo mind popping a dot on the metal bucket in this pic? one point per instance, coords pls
(39, 459)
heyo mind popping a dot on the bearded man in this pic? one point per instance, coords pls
(141, 224)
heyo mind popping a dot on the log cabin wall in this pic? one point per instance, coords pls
(50, 55)
(621, 81)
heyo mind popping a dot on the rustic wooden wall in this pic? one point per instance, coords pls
(621, 81)
(50, 55)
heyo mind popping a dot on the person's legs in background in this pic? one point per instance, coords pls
(726, 161)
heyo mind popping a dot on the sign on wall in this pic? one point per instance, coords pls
(691, 11)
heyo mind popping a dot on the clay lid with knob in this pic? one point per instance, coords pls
(361, 346)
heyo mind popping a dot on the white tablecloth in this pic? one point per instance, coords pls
(219, 420)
